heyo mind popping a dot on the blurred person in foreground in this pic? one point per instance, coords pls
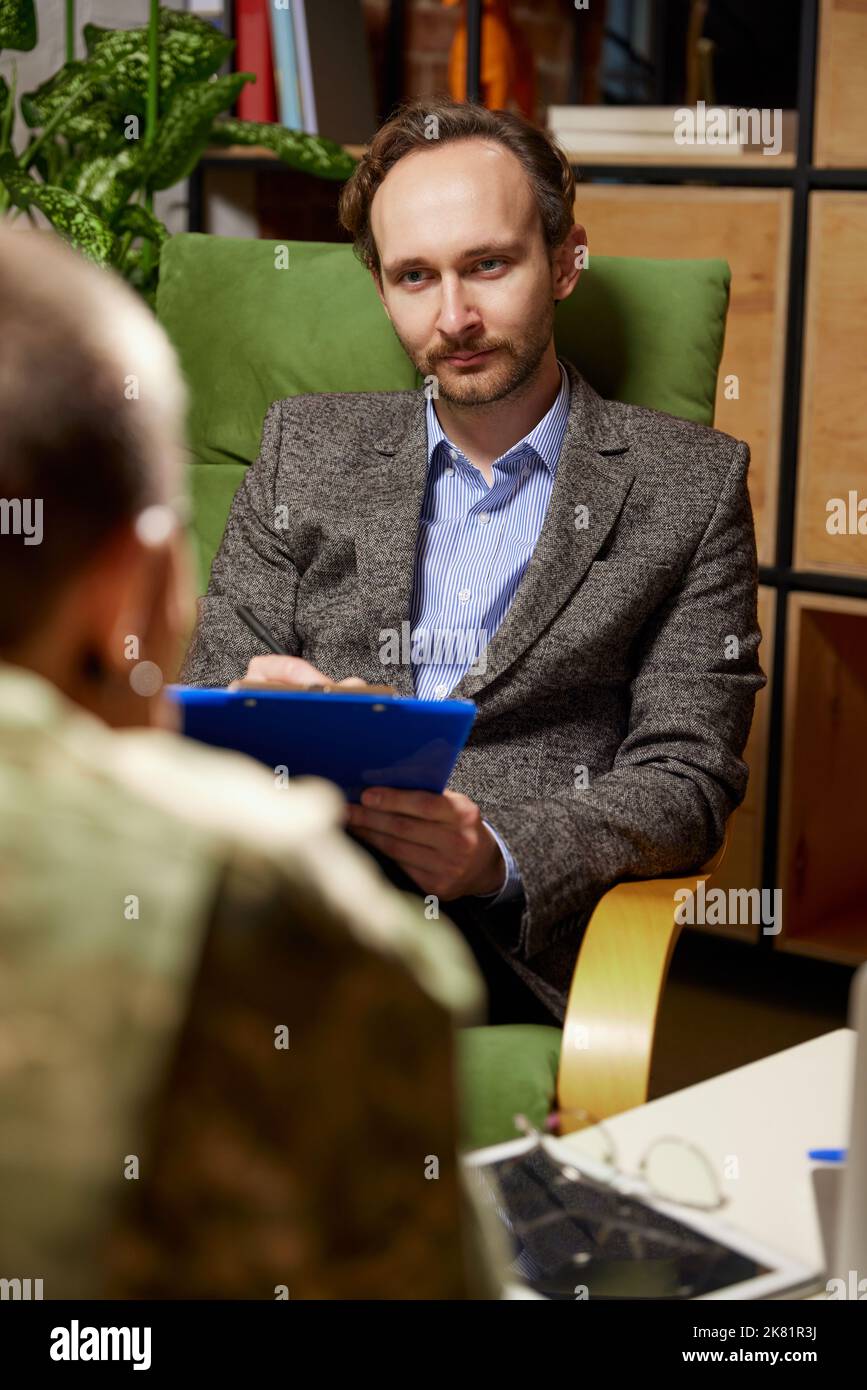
(226, 1043)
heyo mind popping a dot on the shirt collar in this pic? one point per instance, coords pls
(546, 438)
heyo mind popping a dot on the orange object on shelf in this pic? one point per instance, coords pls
(507, 74)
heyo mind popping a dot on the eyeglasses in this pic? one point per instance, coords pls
(671, 1168)
(582, 1230)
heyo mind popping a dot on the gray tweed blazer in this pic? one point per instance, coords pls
(618, 692)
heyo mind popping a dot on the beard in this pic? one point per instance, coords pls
(513, 368)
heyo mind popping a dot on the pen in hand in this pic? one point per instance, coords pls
(258, 629)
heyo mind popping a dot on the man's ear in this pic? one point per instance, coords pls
(568, 262)
(122, 591)
(105, 597)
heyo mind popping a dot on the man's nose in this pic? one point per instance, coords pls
(457, 315)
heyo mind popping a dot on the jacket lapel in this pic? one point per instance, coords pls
(592, 473)
(385, 541)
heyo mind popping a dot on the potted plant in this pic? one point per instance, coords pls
(131, 117)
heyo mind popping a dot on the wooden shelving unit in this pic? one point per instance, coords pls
(823, 863)
(742, 866)
(833, 452)
(750, 228)
(795, 235)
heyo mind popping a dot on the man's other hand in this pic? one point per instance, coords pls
(441, 842)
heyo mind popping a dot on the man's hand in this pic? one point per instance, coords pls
(294, 673)
(441, 842)
(281, 672)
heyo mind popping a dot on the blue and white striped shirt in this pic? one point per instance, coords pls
(474, 544)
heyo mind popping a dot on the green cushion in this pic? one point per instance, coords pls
(248, 332)
(504, 1071)
(212, 487)
(649, 332)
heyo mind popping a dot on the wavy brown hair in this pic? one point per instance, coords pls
(410, 128)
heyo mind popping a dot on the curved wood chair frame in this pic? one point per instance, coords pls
(616, 990)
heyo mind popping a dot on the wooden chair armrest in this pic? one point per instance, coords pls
(620, 973)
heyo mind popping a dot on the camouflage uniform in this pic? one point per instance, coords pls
(168, 915)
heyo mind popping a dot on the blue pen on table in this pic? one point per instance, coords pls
(828, 1155)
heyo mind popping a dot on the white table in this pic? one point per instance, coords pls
(764, 1116)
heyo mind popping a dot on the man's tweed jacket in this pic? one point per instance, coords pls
(619, 689)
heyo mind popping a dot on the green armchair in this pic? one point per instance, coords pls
(253, 321)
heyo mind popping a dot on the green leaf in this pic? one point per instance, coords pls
(71, 216)
(141, 222)
(142, 273)
(312, 154)
(99, 127)
(39, 106)
(42, 165)
(4, 99)
(185, 127)
(92, 33)
(18, 24)
(190, 51)
(189, 24)
(107, 180)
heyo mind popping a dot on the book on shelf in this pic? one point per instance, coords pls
(656, 120)
(673, 131)
(304, 68)
(257, 101)
(310, 61)
(285, 67)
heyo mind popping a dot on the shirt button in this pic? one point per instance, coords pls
(441, 692)
(453, 453)
(464, 595)
(449, 472)
(484, 518)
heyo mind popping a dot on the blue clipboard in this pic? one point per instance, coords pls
(354, 740)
